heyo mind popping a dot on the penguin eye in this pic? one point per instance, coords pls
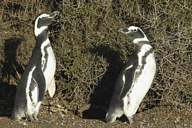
(134, 30)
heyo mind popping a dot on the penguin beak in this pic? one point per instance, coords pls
(51, 18)
(54, 15)
(123, 30)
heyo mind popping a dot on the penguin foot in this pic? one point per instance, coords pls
(35, 117)
(110, 118)
(32, 117)
(130, 119)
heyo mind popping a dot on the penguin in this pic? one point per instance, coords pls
(34, 81)
(135, 78)
(48, 58)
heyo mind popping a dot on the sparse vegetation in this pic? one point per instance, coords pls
(90, 51)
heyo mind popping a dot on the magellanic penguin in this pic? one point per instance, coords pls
(135, 78)
(39, 73)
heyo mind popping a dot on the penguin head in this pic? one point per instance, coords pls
(134, 34)
(43, 21)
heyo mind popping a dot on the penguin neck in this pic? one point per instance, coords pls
(143, 51)
(141, 40)
(42, 39)
(143, 48)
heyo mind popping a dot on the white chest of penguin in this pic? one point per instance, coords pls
(48, 61)
(142, 80)
(145, 74)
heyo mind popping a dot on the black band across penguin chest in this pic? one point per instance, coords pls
(140, 68)
(42, 39)
(45, 57)
(32, 87)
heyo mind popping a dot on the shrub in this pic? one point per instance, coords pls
(90, 51)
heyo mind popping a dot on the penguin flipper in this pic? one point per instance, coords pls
(52, 88)
(128, 74)
(128, 82)
(40, 79)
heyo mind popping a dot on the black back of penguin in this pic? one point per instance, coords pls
(37, 75)
(122, 88)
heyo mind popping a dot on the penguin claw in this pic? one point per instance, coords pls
(30, 118)
(110, 118)
(130, 119)
(35, 118)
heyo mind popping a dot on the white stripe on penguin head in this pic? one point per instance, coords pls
(137, 40)
(37, 30)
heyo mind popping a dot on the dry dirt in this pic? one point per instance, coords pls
(161, 117)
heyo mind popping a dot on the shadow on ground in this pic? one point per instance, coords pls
(9, 71)
(100, 99)
(7, 94)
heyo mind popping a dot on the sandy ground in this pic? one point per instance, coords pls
(160, 117)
